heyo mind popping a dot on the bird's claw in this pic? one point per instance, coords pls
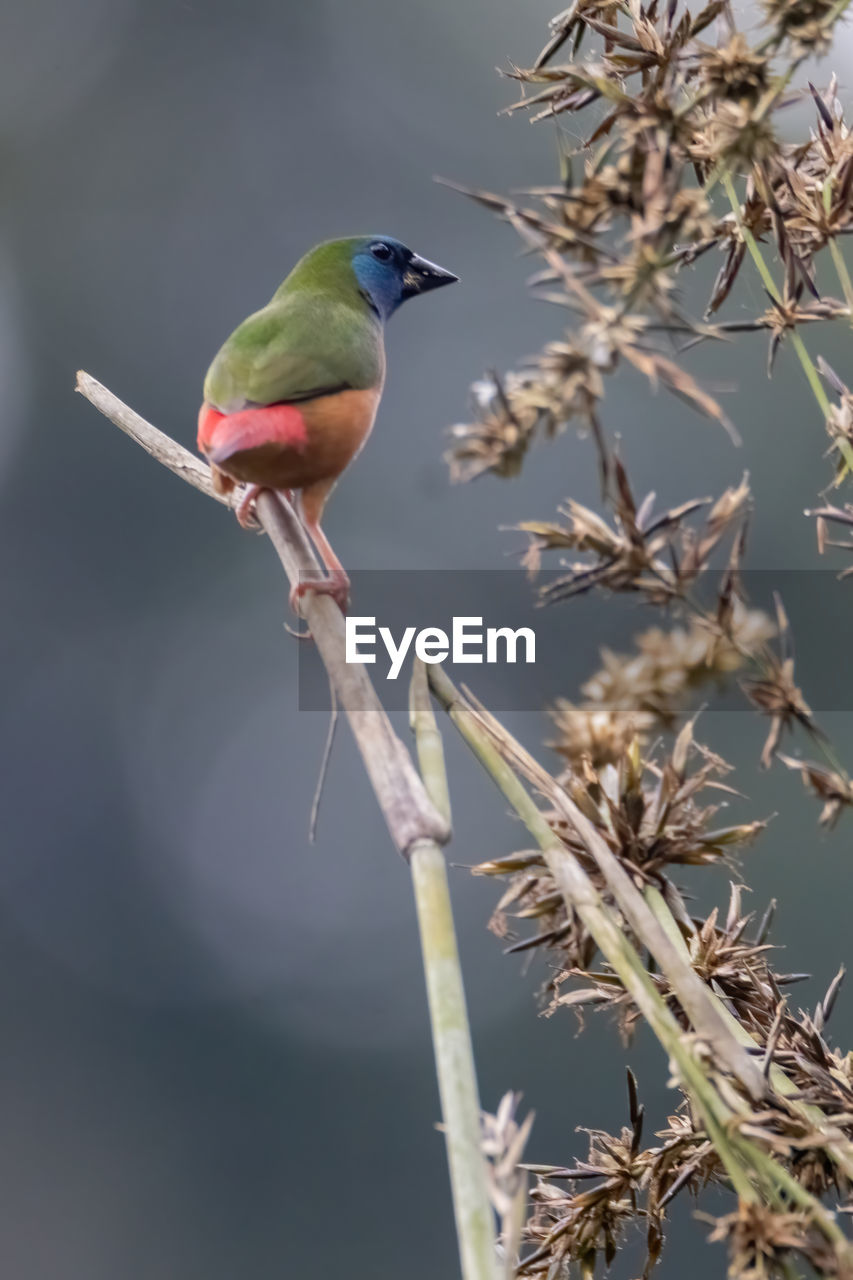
(247, 516)
(298, 635)
(245, 510)
(336, 585)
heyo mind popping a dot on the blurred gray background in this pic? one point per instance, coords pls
(214, 1057)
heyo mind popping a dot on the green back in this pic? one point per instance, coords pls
(317, 335)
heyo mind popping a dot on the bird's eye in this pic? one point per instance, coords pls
(380, 251)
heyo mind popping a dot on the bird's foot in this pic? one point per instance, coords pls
(245, 510)
(336, 585)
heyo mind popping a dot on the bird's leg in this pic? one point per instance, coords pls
(337, 585)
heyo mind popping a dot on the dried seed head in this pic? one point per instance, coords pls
(677, 115)
(830, 786)
(634, 695)
(734, 133)
(776, 695)
(733, 69)
(805, 25)
(601, 735)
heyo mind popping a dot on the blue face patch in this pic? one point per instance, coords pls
(382, 281)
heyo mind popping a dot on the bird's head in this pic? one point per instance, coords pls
(386, 272)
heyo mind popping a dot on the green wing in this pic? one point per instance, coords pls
(301, 345)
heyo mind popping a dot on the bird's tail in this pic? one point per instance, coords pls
(221, 435)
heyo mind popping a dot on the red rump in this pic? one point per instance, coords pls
(222, 434)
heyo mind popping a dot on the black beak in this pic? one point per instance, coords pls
(420, 276)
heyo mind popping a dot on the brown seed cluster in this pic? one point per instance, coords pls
(658, 554)
(655, 812)
(682, 107)
(655, 815)
(634, 695)
(683, 154)
(662, 557)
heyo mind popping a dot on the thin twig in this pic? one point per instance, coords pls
(155, 442)
(324, 766)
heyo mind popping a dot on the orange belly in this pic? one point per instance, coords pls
(289, 446)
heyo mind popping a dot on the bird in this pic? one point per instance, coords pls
(291, 396)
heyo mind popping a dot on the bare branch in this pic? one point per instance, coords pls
(154, 442)
(408, 811)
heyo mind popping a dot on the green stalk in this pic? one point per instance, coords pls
(808, 365)
(794, 1193)
(451, 1034)
(837, 256)
(843, 275)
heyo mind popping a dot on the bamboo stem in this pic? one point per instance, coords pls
(451, 1034)
(428, 741)
(460, 1107)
